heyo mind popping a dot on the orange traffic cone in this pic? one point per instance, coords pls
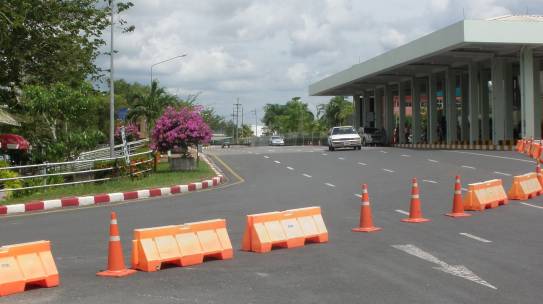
(366, 220)
(538, 172)
(115, 261)
(415, 212)
(458, 206)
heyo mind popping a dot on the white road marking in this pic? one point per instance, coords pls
(357, 195)
(306, 175)
(455, 270)
(383, 151)
(429, 181)
(388, 170)
(341, 158)
(257, 153)
(250, 152)
(324, 154)
(405, 155)
(363, 164)
(526, 204)
(464, 189)
(270, 150)
(290, 168)
(471, 236)
(298, 150)
(495, 156)
(330, 185)
(265, 156)
(433, 160)
(468, 167)
(276, 161)
(501, 173)
(402, 211)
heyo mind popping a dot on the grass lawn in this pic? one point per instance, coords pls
(162, 178)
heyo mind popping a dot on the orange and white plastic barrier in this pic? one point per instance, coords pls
(485, 195)
(288, 229)
(536, 150)
(525, 187)
(181, 245)
(520, 145)
(25, 264)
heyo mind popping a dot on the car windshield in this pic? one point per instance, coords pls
(345, 130)
(275, 137)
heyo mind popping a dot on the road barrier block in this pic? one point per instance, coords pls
(536, 151)
(287, 229)
(485, 195)
(27, 264)
(181, 245)
(525, 187)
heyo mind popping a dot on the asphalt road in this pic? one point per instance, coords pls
(403, 263)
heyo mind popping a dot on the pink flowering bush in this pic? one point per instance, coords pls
(177, 129)
(131, 131)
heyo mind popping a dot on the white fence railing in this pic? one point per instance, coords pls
(77, 171)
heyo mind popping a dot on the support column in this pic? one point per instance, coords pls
(366, 109)
(401, 127)
(502, 100)
(432, 108)
(357, 113)
(473, 99)
(450, 104)
(530, 94)
(464, 85)
(485, 107)
(378, 106)
(415, 110)
(389, 113)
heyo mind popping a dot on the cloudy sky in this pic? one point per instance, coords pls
(268, 51)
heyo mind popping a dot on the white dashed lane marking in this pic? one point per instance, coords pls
(330, 185)
(385, 152)
(471, 236)
(290, 168)
(405, 155)
(464, 189)
(341, 158)
(429, 181)
(433, 160)
(306, 175)
(357, 195)
(402, 211)
(388, 170)
(265, 156)
(362, 164)
(276, 161)
(501, 173)
(468, 167)
(324, 154)
(530, 205)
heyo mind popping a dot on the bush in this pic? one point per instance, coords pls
(12, 184)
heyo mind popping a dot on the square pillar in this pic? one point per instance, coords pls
(465, 125)
(378, 106)
(389, 113)
(530, 92)
(450, 105)
(432, 108)
(366, 109)
(502, 100)
(485, 107)
(415, 110)
(473, 99)
(357, 111)
(401, 127)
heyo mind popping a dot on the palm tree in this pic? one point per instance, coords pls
(150, 106)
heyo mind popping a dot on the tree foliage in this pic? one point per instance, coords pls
(294, 116)
(336, 112)
(46, 42)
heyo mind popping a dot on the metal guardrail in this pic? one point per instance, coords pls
(70, 169)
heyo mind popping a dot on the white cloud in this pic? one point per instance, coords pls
(269, 50)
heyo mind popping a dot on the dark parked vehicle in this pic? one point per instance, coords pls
(371, 136)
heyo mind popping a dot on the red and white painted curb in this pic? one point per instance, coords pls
(114, 197)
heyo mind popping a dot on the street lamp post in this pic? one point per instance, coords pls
(169, 59)
(111, 91)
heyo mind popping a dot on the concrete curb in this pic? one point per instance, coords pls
(116, 197)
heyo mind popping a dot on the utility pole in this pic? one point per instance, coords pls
(241, 120)
(256, 123)
(111, 89)
(237, 105)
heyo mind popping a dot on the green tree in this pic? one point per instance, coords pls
(336, 112)
(150, 106)
(60, 121)
(46, 42)
(294, 116)
(213, 120)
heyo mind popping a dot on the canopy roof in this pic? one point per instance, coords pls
(451, 47)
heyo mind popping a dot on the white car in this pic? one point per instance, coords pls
(344, 137)
(277, 141)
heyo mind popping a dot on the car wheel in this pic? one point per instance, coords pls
(359, 147)
(332, 148)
